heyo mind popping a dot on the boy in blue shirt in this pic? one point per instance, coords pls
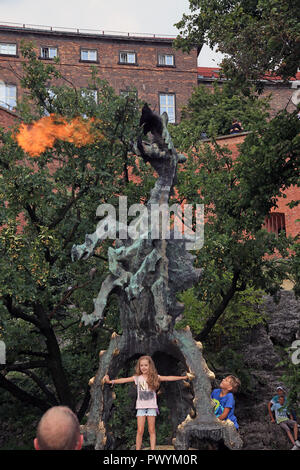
(224, 399)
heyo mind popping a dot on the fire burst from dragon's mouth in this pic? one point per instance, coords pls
(37, 137)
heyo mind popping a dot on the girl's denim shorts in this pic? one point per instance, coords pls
(146, 412)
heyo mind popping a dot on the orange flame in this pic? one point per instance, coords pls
(37, 137)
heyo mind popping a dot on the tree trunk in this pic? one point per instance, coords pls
(54, 360)
(202, 336)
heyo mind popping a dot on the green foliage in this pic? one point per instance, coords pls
(17, 424)
(257, 36)
(212, 112)
(229, 361)
(49, 204)
(242, 313)
(123, 421)
(237, 194)
(291, 379)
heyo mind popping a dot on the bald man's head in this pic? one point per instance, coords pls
(58, 429)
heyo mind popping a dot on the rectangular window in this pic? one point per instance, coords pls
(8, 49)
(8, 96)
(51, 98)
(127, 57)
(48, 52)
(90, 93)
(89, 55)
(166, 59)
(167, 104)
(275, 222)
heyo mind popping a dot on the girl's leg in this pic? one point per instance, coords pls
(152, 433)
(140, 431)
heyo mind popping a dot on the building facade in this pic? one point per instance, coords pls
(162, 76)
(280, 92)
(281, 218)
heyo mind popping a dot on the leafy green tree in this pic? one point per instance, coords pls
(211, 112)
(238, 194)
(49, 203)
(242, 313)
(257, 36)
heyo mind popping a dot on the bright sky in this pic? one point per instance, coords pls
(134, 16)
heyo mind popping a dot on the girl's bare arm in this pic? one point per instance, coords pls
(172, 378)
(123, 380)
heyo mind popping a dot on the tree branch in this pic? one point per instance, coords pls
(33, 353)
(51, 397)
(33, 217)
(84, 406)
(66, 296)
(18, 313)
(68, 206)
(20, 394)
(220, 309)
(70, 236)
(23, 367)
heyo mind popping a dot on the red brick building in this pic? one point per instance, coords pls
(7, 118)
(281, 218)
(280, 91)
(163, 77)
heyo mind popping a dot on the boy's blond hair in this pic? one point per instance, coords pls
(235, 382)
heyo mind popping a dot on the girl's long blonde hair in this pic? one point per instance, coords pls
(152, 378)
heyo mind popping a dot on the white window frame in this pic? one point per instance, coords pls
(164, 59)
(90, 92)
(8, 95)
(89, 57)
(52, 96)
(7, 48)
(52, 52)
(86, 92)
(169, 106)
(124, 57)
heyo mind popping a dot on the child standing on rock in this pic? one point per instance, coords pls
(147, 381)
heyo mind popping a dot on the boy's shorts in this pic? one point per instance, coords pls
(289, 423)
(146, 412)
